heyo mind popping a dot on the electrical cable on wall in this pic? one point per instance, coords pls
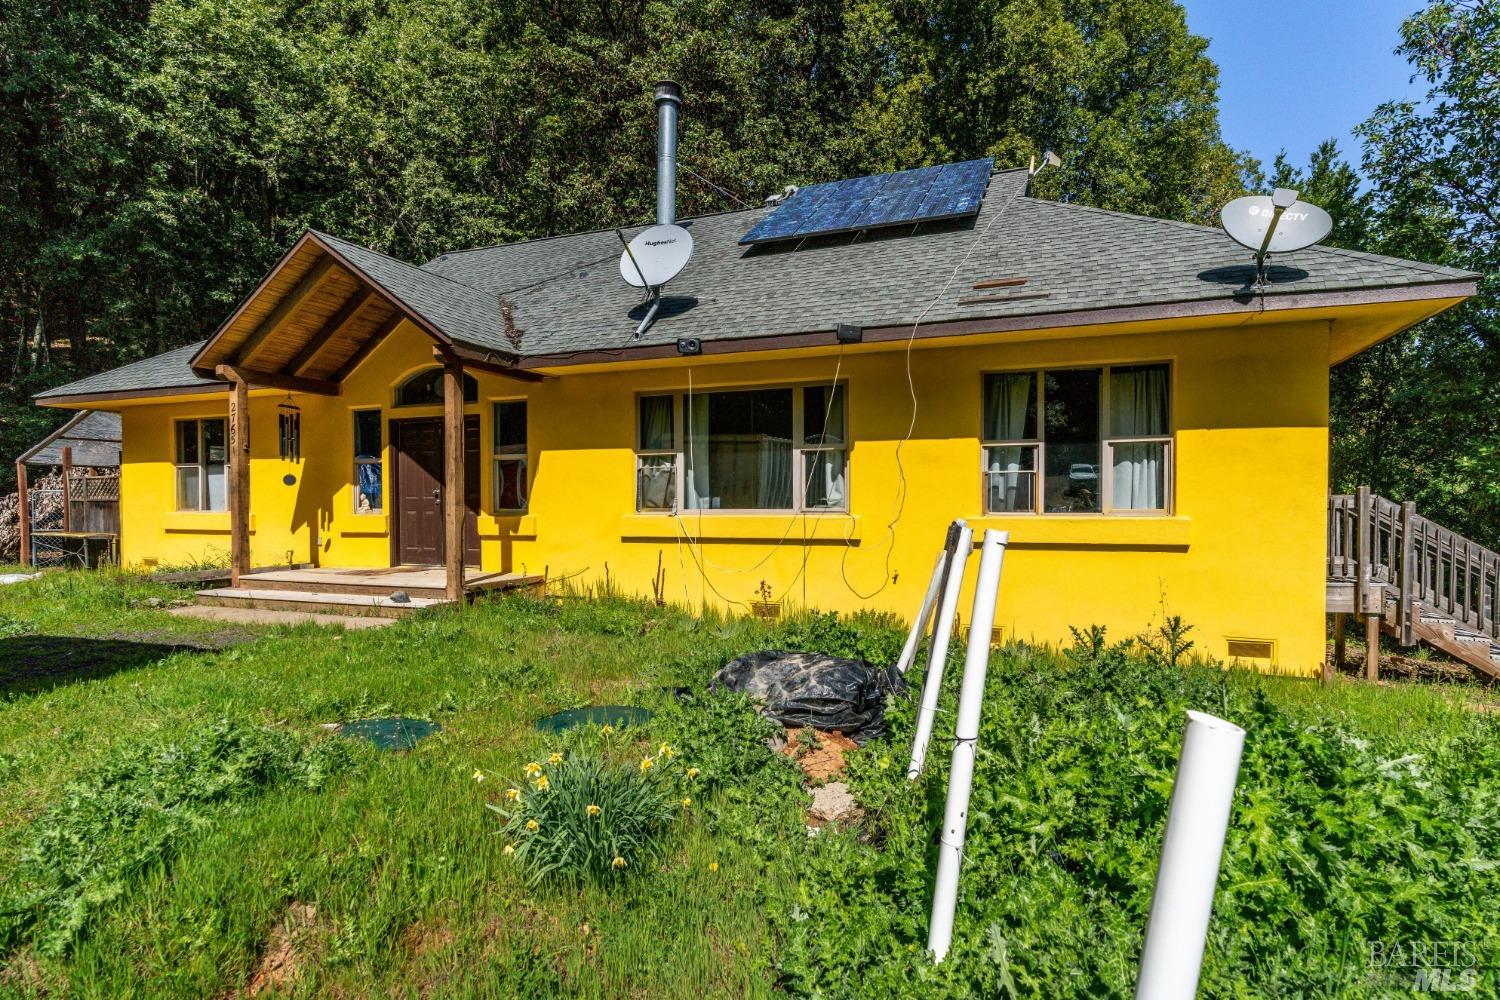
(695, 545)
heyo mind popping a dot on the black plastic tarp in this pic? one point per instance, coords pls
(812, 689)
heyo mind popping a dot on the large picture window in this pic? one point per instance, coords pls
(510, 455)
(201, 460)
(781, 448)
(1078, 440)
(367, 462)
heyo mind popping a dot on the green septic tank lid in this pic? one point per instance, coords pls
(395, 733)
(594, 715)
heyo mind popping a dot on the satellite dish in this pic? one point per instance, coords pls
(656, 256)
(1276, 223)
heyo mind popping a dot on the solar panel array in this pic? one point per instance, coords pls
(925, 194)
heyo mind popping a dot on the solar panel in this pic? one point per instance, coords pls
(925, 194)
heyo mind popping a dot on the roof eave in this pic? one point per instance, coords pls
(1143, 312)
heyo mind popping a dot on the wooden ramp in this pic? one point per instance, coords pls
(395, 592)
(1411, 578)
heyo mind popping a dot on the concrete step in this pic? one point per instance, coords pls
(316, 601)
(373, 584)
(265, 616)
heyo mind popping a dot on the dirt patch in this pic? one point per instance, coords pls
(820, 755)
(23, 973)
(425, 938)
(286, 951)
(1436, 668)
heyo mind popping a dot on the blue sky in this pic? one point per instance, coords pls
(1292, 74)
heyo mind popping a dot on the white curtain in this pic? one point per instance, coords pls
(827, 473)
(774, 486)
(1007, 400)
(1138, 408)
(656, 470)
(696, 453)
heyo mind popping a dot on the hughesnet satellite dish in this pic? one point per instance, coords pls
(656, 256)
(1276, 223)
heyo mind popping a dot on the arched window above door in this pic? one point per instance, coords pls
(425, 388)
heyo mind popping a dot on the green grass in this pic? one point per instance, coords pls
(404, 871)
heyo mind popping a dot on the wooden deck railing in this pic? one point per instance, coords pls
(1377, 543)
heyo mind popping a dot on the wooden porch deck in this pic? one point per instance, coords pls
(392, 592)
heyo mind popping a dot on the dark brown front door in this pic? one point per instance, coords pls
(419, 490)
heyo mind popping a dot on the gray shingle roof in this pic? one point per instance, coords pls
(94, 436)
(162, 371)
(465, 313)
(569, 297)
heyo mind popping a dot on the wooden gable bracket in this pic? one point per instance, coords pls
(486, 361)
(276, 380)
(335, 326)
(310, 283)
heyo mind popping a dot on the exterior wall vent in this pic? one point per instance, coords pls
(1252, 649)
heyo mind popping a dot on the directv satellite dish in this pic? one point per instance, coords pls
(656, 256)
(1277, 223)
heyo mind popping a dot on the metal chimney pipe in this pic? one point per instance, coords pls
(668, 106)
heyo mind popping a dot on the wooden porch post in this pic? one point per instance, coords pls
(25, 502)
(453, 477)
(1372, 647)
(1340, 628)
(239, 480)
(67, 496)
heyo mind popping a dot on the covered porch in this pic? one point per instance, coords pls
(321, 312)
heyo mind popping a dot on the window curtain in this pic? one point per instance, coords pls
(656, 435)
(1138, 408)
(1007, 401)
(696, 453)
(774, 488)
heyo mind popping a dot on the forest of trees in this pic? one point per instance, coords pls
(158, 157)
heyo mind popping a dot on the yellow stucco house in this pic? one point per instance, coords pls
(801, 420)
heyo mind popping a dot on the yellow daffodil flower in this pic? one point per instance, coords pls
(509, 850)
(646, 764)
(478, 775)
(532, 825)
(555, 759)
(592, 810)
(542, 784)
(713, 866)
(618, 862)
(693, 772)
(607, 729)
(687, 803)
(666, 751)
(532, 769)
(513, 794)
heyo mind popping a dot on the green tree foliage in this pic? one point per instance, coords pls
(160, 156)
(1418, 417)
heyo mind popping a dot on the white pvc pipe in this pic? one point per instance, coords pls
(919, 626)
(966, 743)
(1191, 851)
(937, 655)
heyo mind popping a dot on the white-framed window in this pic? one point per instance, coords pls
(1078, 440)
(201, 459)
(774, 448)
(511, 488)
(368, 462)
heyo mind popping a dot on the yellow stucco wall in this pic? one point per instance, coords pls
(1241, 556)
